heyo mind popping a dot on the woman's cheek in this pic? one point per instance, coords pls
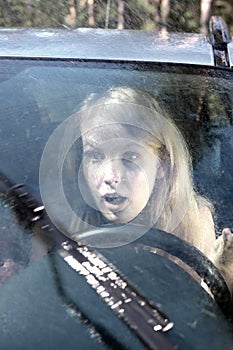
(142, 185)
(138, 176)
(91, 174)
(97, 177)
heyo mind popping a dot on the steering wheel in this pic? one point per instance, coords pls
(116, 235)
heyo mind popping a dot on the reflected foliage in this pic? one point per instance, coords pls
(14, 242)
(171, 15)
(203, 112)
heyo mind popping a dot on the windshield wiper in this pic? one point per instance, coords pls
(140, 314)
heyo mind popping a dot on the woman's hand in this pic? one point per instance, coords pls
(222, 256)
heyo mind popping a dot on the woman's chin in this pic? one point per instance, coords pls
(117, 218)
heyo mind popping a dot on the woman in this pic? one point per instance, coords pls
(134, 166)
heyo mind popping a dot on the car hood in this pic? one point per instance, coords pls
(107, 44)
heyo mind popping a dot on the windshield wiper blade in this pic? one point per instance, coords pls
(141, 315)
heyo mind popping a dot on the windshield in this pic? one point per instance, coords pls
(37, 97)
(59, 131)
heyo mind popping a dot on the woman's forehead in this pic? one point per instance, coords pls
(123, 113)
(113, 131)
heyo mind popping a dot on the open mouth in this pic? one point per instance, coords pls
(114, 198)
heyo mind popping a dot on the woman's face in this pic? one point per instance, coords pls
(120, 171)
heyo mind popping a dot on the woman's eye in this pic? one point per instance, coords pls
(94, 156)
(130, 156)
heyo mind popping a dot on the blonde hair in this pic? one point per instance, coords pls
(174, 198)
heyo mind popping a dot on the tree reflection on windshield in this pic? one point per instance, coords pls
(14, 242)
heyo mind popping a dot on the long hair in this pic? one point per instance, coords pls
(174, 206)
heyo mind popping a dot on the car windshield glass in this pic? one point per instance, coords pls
(92, 141)
(37, 97)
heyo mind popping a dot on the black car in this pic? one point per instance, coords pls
(46, 300)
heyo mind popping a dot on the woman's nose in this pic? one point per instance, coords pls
(111, 173)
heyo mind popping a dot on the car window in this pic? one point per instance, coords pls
(37, 97)
(38, 100)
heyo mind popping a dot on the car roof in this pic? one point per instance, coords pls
(107, 44)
